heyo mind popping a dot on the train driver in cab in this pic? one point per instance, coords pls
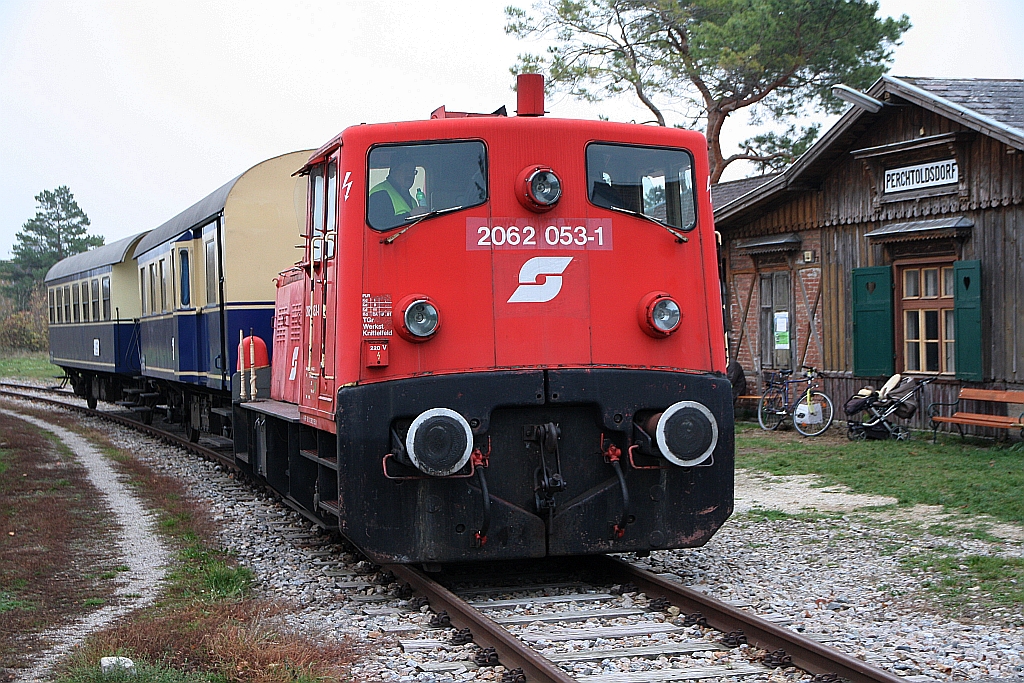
(390, 200)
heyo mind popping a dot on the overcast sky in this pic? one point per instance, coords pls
(142, 108)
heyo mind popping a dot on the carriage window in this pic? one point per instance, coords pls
(406, 181)
(53, 311)
(142, 288)
(85, 301)
(186, 282)
(74, 305)
(95, 299)
(152, 288)
(67, 304)
(60, 305)
(163, 286)
(927, 319)
(652, 181)
(211, 273)
(106, 298)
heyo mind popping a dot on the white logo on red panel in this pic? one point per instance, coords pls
(530, 290)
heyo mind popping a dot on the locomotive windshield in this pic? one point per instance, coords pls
(654, 181)
(407, 181)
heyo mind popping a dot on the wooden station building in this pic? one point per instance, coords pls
(894, 244)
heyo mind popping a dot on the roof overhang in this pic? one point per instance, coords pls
(936, 228)
(772, 243)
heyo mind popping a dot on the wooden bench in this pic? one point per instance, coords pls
(979, 419)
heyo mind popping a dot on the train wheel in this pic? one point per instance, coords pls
(90, 401)
(771, 408)
(191, 432)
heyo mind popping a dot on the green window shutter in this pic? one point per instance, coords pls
(967, 304)
(872, 321)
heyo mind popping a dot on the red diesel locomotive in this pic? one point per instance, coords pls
(504, 341)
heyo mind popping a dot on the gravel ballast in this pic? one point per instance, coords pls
(837, 576)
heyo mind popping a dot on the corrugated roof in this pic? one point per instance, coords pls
(107, 255)
(195, 215)
(933, 227)
(762, 245)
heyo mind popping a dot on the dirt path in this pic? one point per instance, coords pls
(138, 545)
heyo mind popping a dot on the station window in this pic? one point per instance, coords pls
(106, 298)
(927, 317)
(211, 272)
(186, 286)
(52, 309)
(95, 299)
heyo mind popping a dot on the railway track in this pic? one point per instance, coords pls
(595, 620)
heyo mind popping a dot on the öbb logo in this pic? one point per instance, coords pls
(530, 290)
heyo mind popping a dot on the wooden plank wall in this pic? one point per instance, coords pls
(841, 210)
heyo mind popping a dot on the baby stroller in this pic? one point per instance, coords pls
(898, 398)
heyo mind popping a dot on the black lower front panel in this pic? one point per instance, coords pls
(549, 438)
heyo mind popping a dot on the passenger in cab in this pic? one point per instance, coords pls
(390, 200)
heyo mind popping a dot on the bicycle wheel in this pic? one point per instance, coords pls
(771, 409)
(814, 417)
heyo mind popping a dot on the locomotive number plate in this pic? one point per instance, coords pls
(575, 234)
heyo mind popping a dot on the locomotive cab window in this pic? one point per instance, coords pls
(652, 181)
(408, 181)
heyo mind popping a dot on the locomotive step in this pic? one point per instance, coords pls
(223, 412)
(150, 394)
(141, 409)
(131, 391)
(330, 506)
(126, 404)
(312, 454)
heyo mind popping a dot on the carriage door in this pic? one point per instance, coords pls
(328, 293)
(319, 387)
(776, 323)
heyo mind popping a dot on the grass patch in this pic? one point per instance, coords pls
(205, 626)
(144, 673)
(966, 477)
(961, 579)
(31, 365)
(9, 602)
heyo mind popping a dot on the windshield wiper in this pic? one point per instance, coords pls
(680, 237)
(418, 219)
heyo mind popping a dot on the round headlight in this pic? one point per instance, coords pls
(538, 188)
(545, 187)
(421, 318)
(659, 314)
(665, 315)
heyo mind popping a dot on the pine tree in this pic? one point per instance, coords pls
(57, 231)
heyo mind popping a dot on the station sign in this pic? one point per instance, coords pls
(944, 172)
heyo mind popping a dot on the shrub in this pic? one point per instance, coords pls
(23, 331)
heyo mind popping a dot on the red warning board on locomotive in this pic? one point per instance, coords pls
(573, 234)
